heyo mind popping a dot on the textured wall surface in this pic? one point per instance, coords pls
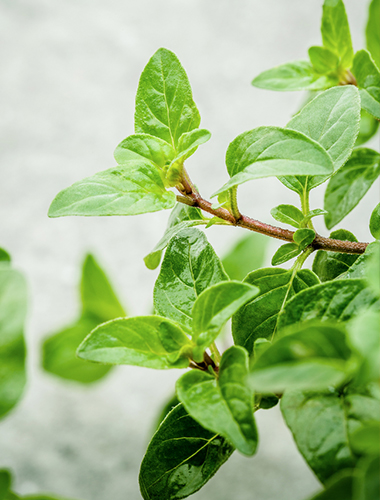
(69, 73)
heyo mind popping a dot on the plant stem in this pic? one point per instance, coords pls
(305, 204)
(232, 193)
(216, 353)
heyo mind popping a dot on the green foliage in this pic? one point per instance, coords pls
(374, 222)
(335, 31)
(7, 494)
(245, 256)
(368, 79)
(372, 31)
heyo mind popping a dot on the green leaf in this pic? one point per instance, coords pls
(5, 258)
(335, 31)
(373, 268)
(366, 440)
(373, 32)
(311, 214)
(337, 300)
(285, 253)
(336, 130)
(322, 426)
(181, 217)
(309, 357)
(348, 186)
(359, 268)
(13, 301)
(190, 266)
(189, 142)
(368, 482)
(368, 128)
(259, 317)
(144, 147)
(245, 256)
(130, 189)
(368, 80)
(303, 237)
(5, 483)
(339, 487)
(374, 223)
(296, 75)
(215, 306)
(288, 214)
(273, 151)
(223, 406)
(164, 101)
(323, 60)
(330, 265)
(149, 341)
(181, 457)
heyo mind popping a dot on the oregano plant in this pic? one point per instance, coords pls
(304, 337)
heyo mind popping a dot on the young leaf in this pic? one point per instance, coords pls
(273, 151)
(288, 214)
(322, 426)
(303, 237)
(368, 79)
(323, 60)
(130, 189)
(309, 357)
(348, 186)
(215, 306)
(374, 223)
(245, 256)
(259, 317)
(368, 128)
(181, 217)
(149, 341)
(311, 214)
(223, 406)
(330, 265)
(164, 101)
(144, 147)
(372, 31)
(181, 457)
(13, 299)
(190, 266)
(285, 253)
(189, 142)
(297, 75)
(337, 300)
(335, 31)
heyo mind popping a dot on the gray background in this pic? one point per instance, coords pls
(69, 73)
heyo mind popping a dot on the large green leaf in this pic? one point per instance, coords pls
(223, 406)
(149, 341)
(336, 130)
(190, 266)
(164, 102)
(335, 31)
(13, 301)
(146, 147)
(259, 317)
(181, 457)
(309, 357)
(215, 306)
(181, 217)
(348, 186)
(373, 32)
(273, 151)
(130, 189)
(296, 75)
(245, 256)
(322, 425)
(337, 300)
(330, 265)
(368, 79)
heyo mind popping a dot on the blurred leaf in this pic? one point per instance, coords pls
(368, 128)
(245, 256)
(368, 79)
(374, 223)
(373, 32)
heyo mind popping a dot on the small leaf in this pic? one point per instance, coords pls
(215, 306)
(5, 258)
(311, 214)
(285, 253)
(164, 101)
(372, 31)
(190, 266)
(149, 341)
(130, 189)
(374, 223)
(368, 79)
(223, 406)
(348, 186)
(288, 214)
(259, 317)
(335, 31)
(245, 256)
(181, 457)
(260, 346)
(303, 238)
(144, 147)
(297, 75)
(273, 151)
(189, 141)
(368, 128)
(323, 60)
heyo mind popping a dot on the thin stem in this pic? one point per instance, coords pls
(216, 353)
(232, 194)
(305, 204)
